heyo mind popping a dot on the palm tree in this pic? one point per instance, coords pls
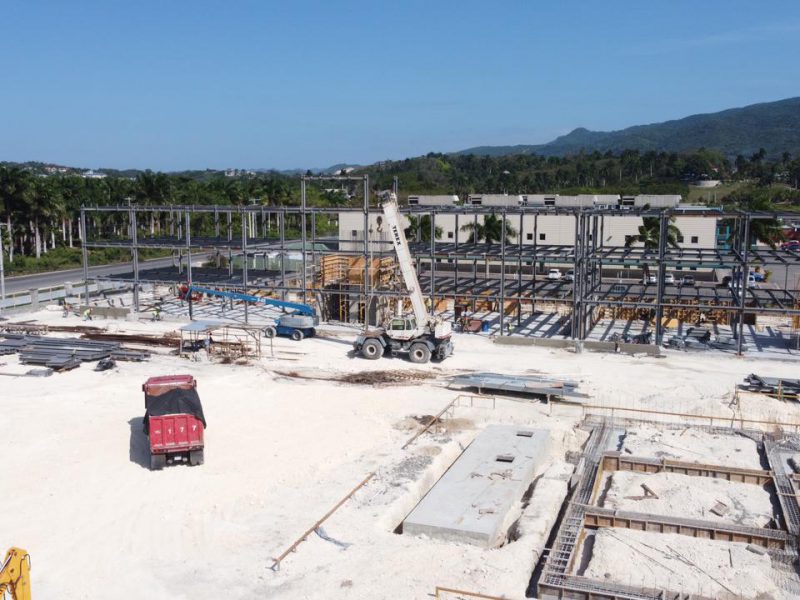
(15, 188)
(44, 208)
(766, 231)
(419, 228)
(650, 233)
(490, 231)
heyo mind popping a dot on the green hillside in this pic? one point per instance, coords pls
(774, 126)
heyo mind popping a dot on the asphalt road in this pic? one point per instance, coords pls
(56, 278)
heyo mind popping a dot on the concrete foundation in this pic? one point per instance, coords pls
(472, 503)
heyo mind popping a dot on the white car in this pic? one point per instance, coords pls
(648, 279)
(570, 276)
(554, 275)
(751, 283)
(669, 279)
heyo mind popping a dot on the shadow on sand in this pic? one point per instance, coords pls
(139, 451)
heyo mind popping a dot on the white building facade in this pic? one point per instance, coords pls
(542, 229)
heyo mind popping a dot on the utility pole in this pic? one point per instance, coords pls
(3, 274)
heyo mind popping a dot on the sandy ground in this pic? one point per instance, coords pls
(689, 497)
(712, 569)
(693, 445)
(281, 451)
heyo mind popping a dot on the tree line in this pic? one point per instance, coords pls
(628, 172)
(41, 213)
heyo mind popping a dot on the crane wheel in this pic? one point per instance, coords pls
(372, 349)
(270, 332)
(419, 353)
(297, 335)
(158, 461)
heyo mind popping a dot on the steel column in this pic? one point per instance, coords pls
(663, 228)
(84, 256)
(744, 274)
(244, 263)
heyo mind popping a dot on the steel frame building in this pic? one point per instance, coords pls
(247, 231)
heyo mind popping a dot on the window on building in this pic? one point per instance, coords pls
(694, 239)
(542, 237)
(449, 235)
(354, 233)
(529, 236)
(549, 202)
(680, 239)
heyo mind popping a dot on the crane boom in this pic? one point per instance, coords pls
(398, 236)
(303, 309)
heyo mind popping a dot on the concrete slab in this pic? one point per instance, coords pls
(472, 502)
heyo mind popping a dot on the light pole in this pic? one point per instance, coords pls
(2, 274)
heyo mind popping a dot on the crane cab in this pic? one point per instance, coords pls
(403, 328)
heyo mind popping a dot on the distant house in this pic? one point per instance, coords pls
(494, 200)
(432, 200)
(90, 174)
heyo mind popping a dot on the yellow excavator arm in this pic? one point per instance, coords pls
(15, 574)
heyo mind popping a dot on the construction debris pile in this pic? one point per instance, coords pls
(699, 338)
(63, 354)
(531, 385)
(777, 387)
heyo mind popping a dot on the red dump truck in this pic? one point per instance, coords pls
(173, 420)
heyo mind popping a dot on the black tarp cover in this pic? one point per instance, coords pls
(173, 402)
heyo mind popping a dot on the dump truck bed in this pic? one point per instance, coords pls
(156, 386)
(175, 433)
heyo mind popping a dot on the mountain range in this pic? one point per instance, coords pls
(774, 126)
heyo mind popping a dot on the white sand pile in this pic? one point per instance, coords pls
(693, 445)
(689, 497)
(723, 570)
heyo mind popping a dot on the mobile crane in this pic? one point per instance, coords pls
(296, 325)
(15, 575)
(422, 336)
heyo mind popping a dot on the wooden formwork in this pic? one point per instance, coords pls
(616, 461)
(685, 315)
(339, 268)
(562, 309)
(333, 269)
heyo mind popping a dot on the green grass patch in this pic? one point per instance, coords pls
(63, 258)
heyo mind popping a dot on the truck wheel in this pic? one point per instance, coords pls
(270, 332)
(372, 349)
(196, 457)
(297, 335)
(158, 461)
(419, 353)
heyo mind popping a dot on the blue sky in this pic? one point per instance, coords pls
(179, 84)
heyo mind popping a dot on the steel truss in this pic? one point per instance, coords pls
(496, 272)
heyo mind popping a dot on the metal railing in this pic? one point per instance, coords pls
(39, 296)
